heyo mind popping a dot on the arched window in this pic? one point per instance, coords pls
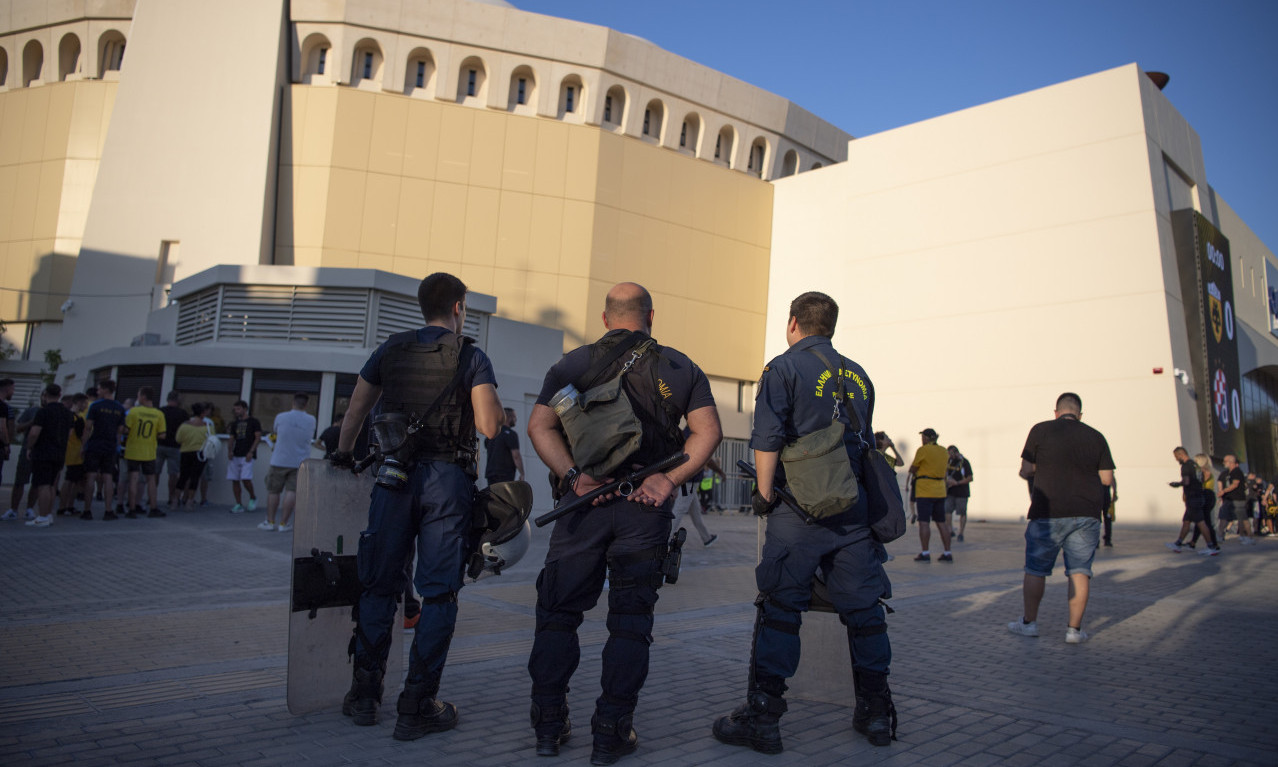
(790, 165)
(4, 67)
(653, 115)
(420, 72)
(690, 133)
(572, 98)
(615, 106)
(366, 64)
(68, 56)
(317, 57)
(32, 62)
(110, 52)
(758, 156)
(523, 91)
(725, 145)
(471, 79)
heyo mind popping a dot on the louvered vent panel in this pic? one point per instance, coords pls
(329, 315)
(255, 312)
(395, 315)
(197, 317)
(474, 326)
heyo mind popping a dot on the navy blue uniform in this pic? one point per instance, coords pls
(434, 513)
(796, 397)
(629, 539)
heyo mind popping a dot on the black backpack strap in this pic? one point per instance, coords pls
(587, 380)
(853, 419)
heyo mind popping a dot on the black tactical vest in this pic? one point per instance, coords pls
(659, 417)
(413, 375)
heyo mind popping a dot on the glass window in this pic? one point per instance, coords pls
(368, 64)
(683, 135)
(471, 77)
(421, 74)
(522, 96)
(133, 377)
(647, 121)
(568, 98)
(323, 61)
(219, 387)
(273, 393)
(608, 109)
(718, 146)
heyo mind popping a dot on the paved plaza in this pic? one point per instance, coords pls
(163, 641)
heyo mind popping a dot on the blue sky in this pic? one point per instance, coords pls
(871, 66)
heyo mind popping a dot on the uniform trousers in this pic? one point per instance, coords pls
(630, 540)
(434, 513)
(851, 563)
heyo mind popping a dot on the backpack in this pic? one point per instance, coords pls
(212, 445)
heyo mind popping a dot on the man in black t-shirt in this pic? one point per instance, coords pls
(503, 453)
(47, 449)
(958, 480)
(1071, 465)
(246, 433)
(6, 419)
(168, 454)
(1191, 485)
(1231, 488)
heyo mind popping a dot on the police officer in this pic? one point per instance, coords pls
(434, 376)
(625, 536)
(794, 399)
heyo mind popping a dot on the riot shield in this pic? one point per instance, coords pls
(332, 509)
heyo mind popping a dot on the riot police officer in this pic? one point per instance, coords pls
(623, 537)
(797, 396)
(434, 380)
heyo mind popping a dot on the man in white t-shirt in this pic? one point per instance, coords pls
(291, 436)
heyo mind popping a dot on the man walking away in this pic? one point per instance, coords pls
(1070, 463)
(503, 452)
(168, 453)
(293, 430)
(102, 428)
(1191, 485)
(47, 447)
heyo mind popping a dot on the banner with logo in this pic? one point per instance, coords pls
(1271, 283)
(1207, 288)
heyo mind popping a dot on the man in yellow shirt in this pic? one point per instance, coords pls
(143, 425)
(928, 469)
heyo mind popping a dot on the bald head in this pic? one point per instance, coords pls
(629, 307)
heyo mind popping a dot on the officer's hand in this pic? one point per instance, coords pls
(342, 460)
(586, 483)
(762, 506)
(654, 491)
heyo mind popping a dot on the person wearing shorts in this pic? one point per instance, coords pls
(246, 433)
(102, 427)
(144, 424)
(1071, 465)
(291, 436)
(928, 470)
(958, 478)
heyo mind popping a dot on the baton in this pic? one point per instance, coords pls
(624, 486)
(783, 493)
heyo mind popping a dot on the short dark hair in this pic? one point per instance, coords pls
(79, 397)
(5, 382)
(53, 390)
(108, 384)
(816, 312)
(300, 399)
(240, 403)
(197, 408)
(174, 397)
(146, 393)
(438, 294)
(1069, 401)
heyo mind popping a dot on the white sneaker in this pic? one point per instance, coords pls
(40, 521)
(285, 528)
(264, 525)
(31, 514)
(1075, 636)
(9, 515)
(1024, 629)
(1209, 552)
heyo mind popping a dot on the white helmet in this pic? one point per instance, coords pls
(507, 535)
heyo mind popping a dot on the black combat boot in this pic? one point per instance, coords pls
(552, 726)
(875, 714)
(364, 697)
(756, 724)
(420, 714)
(613, 739)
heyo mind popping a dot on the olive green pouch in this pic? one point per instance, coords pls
(602, 428)
(817, 468)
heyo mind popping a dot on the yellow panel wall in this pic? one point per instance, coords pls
(50, 144)
(545, 215)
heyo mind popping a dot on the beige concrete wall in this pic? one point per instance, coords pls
(186, 164)
(545, 215)
(986, 261)
(51, 140)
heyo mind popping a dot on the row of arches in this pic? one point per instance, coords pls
(70, 62)
(524, 95)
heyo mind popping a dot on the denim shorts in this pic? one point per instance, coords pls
(1045, 538)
